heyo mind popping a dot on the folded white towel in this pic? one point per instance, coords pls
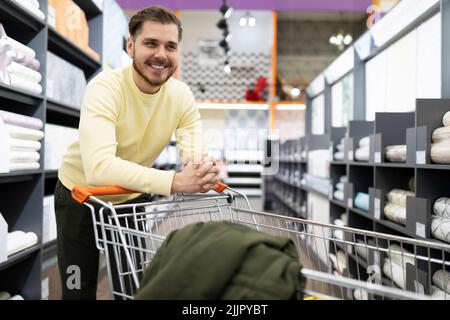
(441, 279)
(362, 154)
(17, 166)
(18, 46)
(30, 8)
(16, 297)
(24, 156)
(19, 240)
(24, 145)
(340, 186)
(21, 120)
(440, 228)
(364, 142)
(17, 132)
(395, 213)
(441, 207)
(24, 72)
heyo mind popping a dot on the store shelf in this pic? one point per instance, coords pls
(433, 166)
(362, 213)
(51, 174)
(395, 226)
(89, 7)
(19, 256)
(26, 98)
(357, 163)
(19, 176)
(341, 163)
(24, 22)
(70, 52)
(62, 108)
(393, 165)
(339, 203)
(308, 189)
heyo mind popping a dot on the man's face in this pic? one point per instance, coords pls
(155, 52)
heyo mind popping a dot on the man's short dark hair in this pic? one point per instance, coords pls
(153, 13)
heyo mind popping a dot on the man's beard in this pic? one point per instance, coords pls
(146, 79)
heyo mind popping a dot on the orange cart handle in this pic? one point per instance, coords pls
(81, 194)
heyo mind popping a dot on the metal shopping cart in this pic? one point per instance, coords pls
(338, 262)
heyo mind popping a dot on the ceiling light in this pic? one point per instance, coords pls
(251, 21)
(348, 39)
(243, 21)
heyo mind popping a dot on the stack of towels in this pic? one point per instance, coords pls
(19, 66)
(339, 193)
(362, 152)
(339, 154)
(362, 201)
(396, 153)
(395, 208)
(394, 266)
(20, 142)
(4, 295)
(440, 220)
(440, 148)
(31, 6)
(441, 285)
(19, 240)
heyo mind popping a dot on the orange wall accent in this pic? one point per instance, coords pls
(273, 88)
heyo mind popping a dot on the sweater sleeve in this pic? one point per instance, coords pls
(189, 132)
(98, 145)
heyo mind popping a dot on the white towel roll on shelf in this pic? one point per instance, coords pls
(17, 132)
(441, 207)
(24, 145)
(364, 142)
(17, 166)
(17, 297)
(19, 240)
(25, 72)
(24, 156)
(441, 279)
(395, 272)
(22, 83)
(446, 119)
(440, 228)
(21, 47)
(21, 120)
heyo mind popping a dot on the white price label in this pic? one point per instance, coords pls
(349, 202)
(420, 229)
(377, 157)
(376, 205)
(420, 157)
(350, 155)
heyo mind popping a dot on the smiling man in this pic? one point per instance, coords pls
(127, 118)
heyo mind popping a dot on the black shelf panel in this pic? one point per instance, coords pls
(433, 166)
(308, 189)
(362, 213)
(24, 23)
(62, 108)
(395, 226)
(89, 8)
(338, 163)
(62, 114)
(360, 163)
(19, 256)
(19, 176)
(70, 52)
(23, 97)
(49, 244)
(51, 174)
(339, 203)
(394, 165)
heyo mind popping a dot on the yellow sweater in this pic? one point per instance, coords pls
(123, 130)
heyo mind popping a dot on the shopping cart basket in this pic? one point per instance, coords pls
(338, 262)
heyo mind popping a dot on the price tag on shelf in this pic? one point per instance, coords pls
(420, 229)
(377, 157)
(420, 157)
(376, 205)
(350, 202)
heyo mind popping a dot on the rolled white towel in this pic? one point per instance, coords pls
(17, 166)
(395, 213)
(441, 207)
(364, 142)
(19, 240)
(399, 255)
(339, 195)
(339, 155)
(4, 295)
(438, 294)
(24, 72)
(396, 153)
(30, 8)
(440, 152)
(340, 186)
(440, 228)
(17, 132)
(22, 83)
(441, 134)
(395, 272)
(16, 297)
(24, 156)
(398, 196)
(21, 120)
(446, 119)
(441, 279)
(362, 154)
(18, 46)
(340, 146)
(24, 145)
